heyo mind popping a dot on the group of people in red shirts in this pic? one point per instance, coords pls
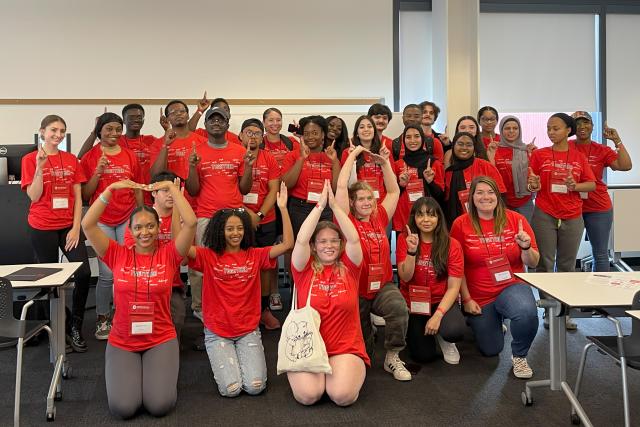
(229, 205)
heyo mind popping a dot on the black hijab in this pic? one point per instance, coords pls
(453, 208)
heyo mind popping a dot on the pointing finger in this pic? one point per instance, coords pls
(520, 229)
(408, 230)
(531, 172)
(429, 163)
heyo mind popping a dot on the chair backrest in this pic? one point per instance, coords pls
(10, 327)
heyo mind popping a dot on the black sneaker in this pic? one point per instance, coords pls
(76, 341)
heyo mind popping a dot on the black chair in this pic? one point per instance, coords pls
(623, 349)
(22, 329)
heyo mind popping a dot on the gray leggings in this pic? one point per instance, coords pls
(148, 378)
(558, 241)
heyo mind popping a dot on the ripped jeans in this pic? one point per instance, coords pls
(237, 363)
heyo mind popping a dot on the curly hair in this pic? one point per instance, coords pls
(213, 237)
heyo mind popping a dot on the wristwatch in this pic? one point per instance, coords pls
(260, 215)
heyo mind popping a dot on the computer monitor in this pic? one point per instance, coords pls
(14, 154)
(65, 144)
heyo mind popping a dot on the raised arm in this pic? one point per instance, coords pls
(160, 163)
(301, 249)
(407, 267)
(203, 104)
(192, 184)
(287, 230)
(342, 188)
(623, 162)
(89, 187)
(34, 190)
(290, 177)
(99, 240)
(353, 249)
(184, 238)
(390, 201)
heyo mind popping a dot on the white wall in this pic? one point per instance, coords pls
(537, 62)
(416, 64)
(623, 92)
(168, 49)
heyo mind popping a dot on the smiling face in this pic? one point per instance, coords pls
(428, 115)
(110, 134)
(485, 199)
(163, 199)
(366, 130)
(463, 147)
(557, 130)
(412, 140)
(145, 229)
(426, 221)
(362, 204)
(134, 119)
(273, 123)
(584, 128)
(327, 246)
(468, 126)
(334, 128)
(381, 121)
(53, 133)
(511, 131)
(488, 121)
(251, 137)
(412, 116)
(233, 232)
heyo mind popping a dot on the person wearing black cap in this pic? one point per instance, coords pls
(597, 210)
(559, 174)
(220, 173)
(260, 202)
(104, 164)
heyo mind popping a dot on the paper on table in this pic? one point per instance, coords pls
(613, 280)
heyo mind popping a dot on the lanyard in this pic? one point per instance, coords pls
(53, 169)
(135, 274)
(566, 162)
(484, 241)
(367, 243)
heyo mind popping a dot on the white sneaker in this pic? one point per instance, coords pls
(377, 320)
(197, 315)
(521, 368)
(449, 351)
(394, 365)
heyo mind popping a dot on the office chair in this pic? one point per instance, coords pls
(22, 329)
(625, 350)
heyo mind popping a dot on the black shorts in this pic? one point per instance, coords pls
(266, 235)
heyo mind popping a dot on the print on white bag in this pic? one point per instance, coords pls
(301, 348)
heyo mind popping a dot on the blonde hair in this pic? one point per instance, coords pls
(316, 265)
(499, 213)
(353, 192)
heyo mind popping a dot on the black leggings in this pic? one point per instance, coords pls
(422, 348)
(46, 244)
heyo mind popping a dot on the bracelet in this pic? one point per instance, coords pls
(103, 200)
(412, 253)
(200, 111)
(527, 248)
(441, 310)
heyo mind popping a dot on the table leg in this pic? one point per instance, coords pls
(56, 349)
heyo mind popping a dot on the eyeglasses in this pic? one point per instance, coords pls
(325, 242)
(176, 112)
(488, 119)
(255, 134)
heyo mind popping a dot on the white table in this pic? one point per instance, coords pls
(56, 284)
(634, 313)
(564, 291)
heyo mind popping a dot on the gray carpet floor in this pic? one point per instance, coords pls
(479, 391)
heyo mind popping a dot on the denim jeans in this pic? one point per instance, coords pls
(516, 303)
(598, 226)
(237, 363)
(104, 287)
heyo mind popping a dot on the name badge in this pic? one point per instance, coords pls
(584, 195)
(314, 190)
(499, 269)
(463, 196)
(375, 278)
(558, 177)
(419, 300)
(415, 190)
(373, 183)
(250, 199)
(60, 196)
(141, 317)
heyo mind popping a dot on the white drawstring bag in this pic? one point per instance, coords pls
(301, 348)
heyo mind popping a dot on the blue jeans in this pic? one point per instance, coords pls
(237, 363)
(515, 303)
(598, 226)
(104, 287)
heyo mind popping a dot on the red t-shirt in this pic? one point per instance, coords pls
(375, 249)
(486, 140)
(317, 166)
(143, 146)
(61, 169)
(371, 173)
(599, 157)
(424, 274)
(231, 289)
(386, 141)
(154, 276)
(264, 169)
(403, 208)
(219, 170)
(178, 153)
(278, 149)
(560, 205)
(335, 297)
(123, 165)
(478, 167)
(503, 159)
(229, 136)
(477, 249)
(164, 237)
